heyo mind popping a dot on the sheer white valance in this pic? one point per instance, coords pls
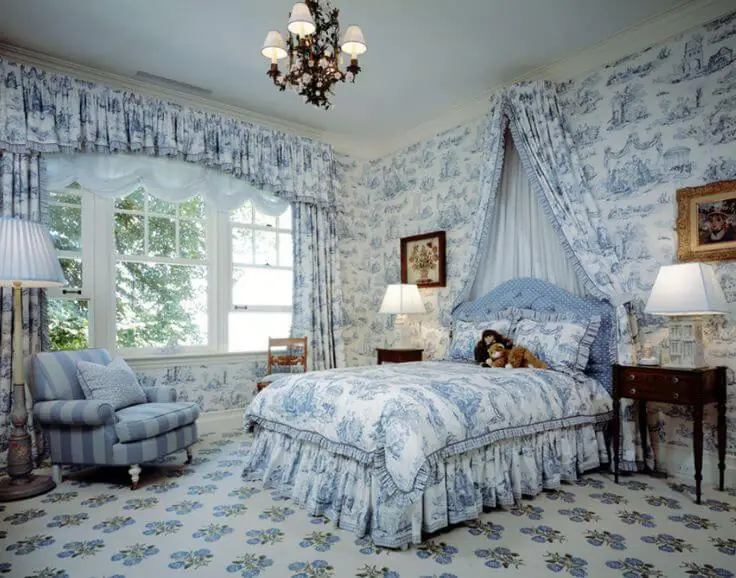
(168, 179)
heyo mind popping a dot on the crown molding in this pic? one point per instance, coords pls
(89, 74)
(628, 41)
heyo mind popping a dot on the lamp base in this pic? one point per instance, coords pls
(26, 487)
(686, 342)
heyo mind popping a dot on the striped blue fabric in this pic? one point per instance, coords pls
(147, 420)
(53, 375)
(160, 394)
(90, 432)
(77, 412)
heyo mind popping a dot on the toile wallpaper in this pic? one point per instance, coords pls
(214, 387)
(644, 126)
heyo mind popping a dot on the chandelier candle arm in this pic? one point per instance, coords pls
(313, 47)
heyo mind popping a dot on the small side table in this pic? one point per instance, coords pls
(398, 355)
(694, 387)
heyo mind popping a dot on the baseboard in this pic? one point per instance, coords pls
(218, 421)
(679, 463)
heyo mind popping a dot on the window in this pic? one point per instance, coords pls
(161, 272)
(261, 287)
(68, 311)
(147, 276)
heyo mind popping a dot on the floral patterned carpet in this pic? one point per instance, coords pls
(203, 520)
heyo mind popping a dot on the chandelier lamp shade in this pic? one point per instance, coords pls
(313, 47)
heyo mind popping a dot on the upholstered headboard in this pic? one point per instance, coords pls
(539, 295)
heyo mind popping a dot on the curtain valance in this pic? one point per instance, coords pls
(51, 113)
(168, 179)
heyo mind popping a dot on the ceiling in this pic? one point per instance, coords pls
(424, 56)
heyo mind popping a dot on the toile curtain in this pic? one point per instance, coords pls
(45, 113)
(317, 294)
(20, 196)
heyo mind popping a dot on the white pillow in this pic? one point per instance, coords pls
(114, 383)
(561, 342)
(465, 334)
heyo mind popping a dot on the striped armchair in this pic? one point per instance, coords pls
(90, 432)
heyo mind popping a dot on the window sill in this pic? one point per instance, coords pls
(158, 361)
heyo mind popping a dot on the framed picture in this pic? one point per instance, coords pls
(423, 259)
(706, 222)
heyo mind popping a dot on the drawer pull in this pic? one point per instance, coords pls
(632, 377)
(675, 379)
(675, 395)
(632, 391)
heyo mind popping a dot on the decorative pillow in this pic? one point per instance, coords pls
(465, 334)
(562, 342)
(114, 383)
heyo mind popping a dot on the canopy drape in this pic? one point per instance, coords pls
(533, 115)
(528, 245)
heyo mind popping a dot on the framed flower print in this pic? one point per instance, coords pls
(706, 222)
(423, 260)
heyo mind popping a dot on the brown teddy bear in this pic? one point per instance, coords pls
(515, 357)
(482, 348)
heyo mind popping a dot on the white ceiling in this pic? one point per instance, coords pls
(424, 56)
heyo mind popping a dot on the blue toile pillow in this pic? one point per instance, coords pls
(114, 383)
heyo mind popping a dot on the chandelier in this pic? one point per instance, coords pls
(313, 48)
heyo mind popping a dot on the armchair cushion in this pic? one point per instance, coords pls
(160, 394)
(75, 413)
(115, 383)
(148, 420)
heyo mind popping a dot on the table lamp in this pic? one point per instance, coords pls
(27, 259)
(402, 300)
(685, 293)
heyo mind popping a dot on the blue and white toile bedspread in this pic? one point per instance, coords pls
(403, 419)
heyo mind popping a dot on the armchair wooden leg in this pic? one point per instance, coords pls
(189, 456)
(135, 474)
(56, 474)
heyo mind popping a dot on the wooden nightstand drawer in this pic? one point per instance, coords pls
(398, 355)
(657, 388)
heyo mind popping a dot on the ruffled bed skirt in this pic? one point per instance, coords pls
(457, 489)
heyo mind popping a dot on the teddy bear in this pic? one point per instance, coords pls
(515, 357)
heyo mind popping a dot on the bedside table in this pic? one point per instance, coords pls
(694, 387)
(398, 355)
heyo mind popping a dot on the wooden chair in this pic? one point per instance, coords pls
(284, 352)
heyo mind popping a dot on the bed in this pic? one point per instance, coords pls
(396, 451)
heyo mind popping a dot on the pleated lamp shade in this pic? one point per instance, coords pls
(28, 255)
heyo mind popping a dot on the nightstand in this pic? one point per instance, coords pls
(398, 355)
(694, 387)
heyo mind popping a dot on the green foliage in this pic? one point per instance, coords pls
(155, 303)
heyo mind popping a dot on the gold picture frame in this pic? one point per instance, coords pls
(706, 222)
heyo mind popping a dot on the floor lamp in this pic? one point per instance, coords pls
(27, 259)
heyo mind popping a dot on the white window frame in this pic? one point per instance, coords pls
(99, 258)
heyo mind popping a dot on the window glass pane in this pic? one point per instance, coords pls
(65, 224)
(161, 237)
(72, 269)
(193, 207)
(68, 324)
(250, 331)
(286, 250)
(158, 206)
(129, 230)
(160, 304)
(192, 238)
(243, 215)
(133, 202)
(256, 286)
(265, 247)
(242, 245)
(61, 197)
(265, 220)
(285, 219)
